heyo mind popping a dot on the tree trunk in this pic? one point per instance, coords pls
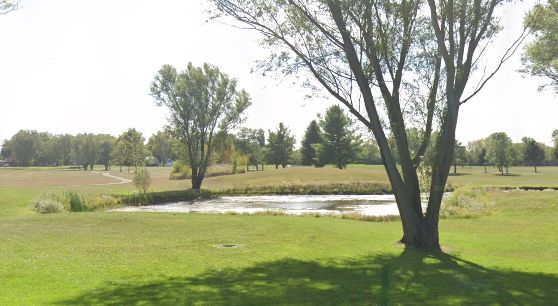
(535, 168)
(485, 169)
(454, 168)
(197, 182)
(507, 172)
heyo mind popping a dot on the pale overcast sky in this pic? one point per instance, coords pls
(85, 66)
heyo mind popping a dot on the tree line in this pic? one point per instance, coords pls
(499, 151)
(33, 148)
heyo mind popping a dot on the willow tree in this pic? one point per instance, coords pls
(203, 102)
(394, 65)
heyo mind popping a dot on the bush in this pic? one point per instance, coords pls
(101, 202)
(72, 201)
(466, 202)
(180, 171)
(76, 201)
(141, 179)
(47, 206)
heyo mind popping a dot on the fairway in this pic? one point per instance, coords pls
(159, 258)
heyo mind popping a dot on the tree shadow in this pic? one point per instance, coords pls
(413, 277)
(458, 174)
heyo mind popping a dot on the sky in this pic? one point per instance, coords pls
(70, 66)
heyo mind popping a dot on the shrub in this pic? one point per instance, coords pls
(141, 179)
(72, 201)
(101, 202)
(466, 202)
(180, 171)
(76, 201)
(47, 206)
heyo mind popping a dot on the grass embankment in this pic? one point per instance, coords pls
(150, 258)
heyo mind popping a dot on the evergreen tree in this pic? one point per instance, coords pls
(280, 146)
(313, 135)
(338, 137)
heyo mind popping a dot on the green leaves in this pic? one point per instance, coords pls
(202, 102)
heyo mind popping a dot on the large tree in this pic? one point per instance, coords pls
(533, 152)
(202, 102)
(312, 136)
(385, 61)
(280, 146)
(541, 55)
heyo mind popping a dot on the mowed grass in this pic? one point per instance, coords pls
(508, 257)
(158, 258)
(95, 182)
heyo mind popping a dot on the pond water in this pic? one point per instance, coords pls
(367, 205)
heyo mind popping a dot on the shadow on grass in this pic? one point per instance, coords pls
(413, 277)
(458, 174)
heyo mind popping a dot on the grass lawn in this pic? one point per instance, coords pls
(509, 257)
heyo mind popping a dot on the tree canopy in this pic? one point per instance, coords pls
(202, 102)
(393, 66)
(540, 57)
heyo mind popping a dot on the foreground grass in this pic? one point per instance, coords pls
(118, 258)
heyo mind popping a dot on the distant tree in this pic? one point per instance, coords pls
(533, 152)
(313, 135)
(203, 102)
(482, 158)
(160, 146)
(260, 136)
(6, 151)
(130, 149)
(541, 55)
(369, 153)
(555, 137)
(106, 146)
(86, 150)
(64, 148)
(224, 148)
(338, 137)
(248, 142)
(280, 146)
(459, 155)
(24, 147)
(499, 150)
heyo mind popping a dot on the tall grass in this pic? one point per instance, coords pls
(307, 189)
(53, 201)
(466, 202)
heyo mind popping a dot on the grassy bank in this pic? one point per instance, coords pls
(154, 258)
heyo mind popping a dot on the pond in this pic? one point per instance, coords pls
(366, 205)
